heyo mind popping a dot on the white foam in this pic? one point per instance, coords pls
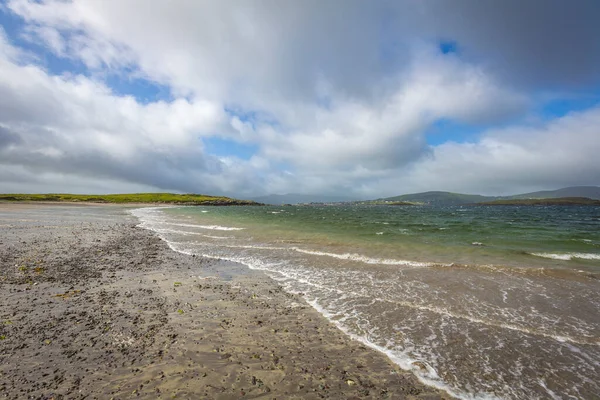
(490, 322)
(552, 395)
(250, 246)
(148, 210)
(210, 227)
(364, 259)
(178, 232)
(428, 377)
(165, 230)
(344, 256)
(568, 256)
(148, 216)
(218, 237)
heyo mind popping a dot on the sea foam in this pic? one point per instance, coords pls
(568, 256)
(210, 227)
(365, 259)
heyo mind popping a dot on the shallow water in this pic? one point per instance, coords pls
(485, 302)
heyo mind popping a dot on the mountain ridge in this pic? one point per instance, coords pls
(450, 198)
(591, 192)
(432, 197)
(549, 201)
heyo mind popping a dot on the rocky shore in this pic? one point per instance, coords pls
(92, 306)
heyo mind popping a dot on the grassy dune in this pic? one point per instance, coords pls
(162, 198)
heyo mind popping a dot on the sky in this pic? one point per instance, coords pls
(364, 99)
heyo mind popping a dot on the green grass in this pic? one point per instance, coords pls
(162, 198)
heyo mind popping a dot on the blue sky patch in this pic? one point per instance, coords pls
(563, 106)
(122, 83)
(145, 91)
(226, 148)
(447, 47)
(445, 130)
(13, 26)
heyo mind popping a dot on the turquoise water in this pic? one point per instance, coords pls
(485, 302)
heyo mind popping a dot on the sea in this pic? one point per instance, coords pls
(485, 302)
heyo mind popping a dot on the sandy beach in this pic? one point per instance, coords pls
(91, 306)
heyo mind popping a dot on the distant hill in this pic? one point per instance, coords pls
(295, 198)
(448, 198)
(441, 198)
(555, 201)
(591, 192)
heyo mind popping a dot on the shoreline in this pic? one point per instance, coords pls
(93, 306)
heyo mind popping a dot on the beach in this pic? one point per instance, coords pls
(93, 306)
(483, 302)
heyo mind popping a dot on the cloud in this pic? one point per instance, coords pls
(538, 44)
(559, 153)
(73, 125)
(389, 133)
(336, 97)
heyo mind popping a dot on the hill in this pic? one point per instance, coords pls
(295, 198)
(153, 198)
(560, 201)
(590, 192)
(449, 198)
(440, 198)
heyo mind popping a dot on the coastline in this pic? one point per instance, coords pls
(92, 305)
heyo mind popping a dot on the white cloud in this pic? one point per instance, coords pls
(48, 35)
(388, 133)
(554, 154)
(72, 125)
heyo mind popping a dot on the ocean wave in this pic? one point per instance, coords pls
(149, 215)
(343, 256)
(251, 246)
(218, 237)
(210, 227)
(365, 259)
(165, 230)
(568, 256)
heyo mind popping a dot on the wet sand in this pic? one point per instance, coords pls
(92, 306)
